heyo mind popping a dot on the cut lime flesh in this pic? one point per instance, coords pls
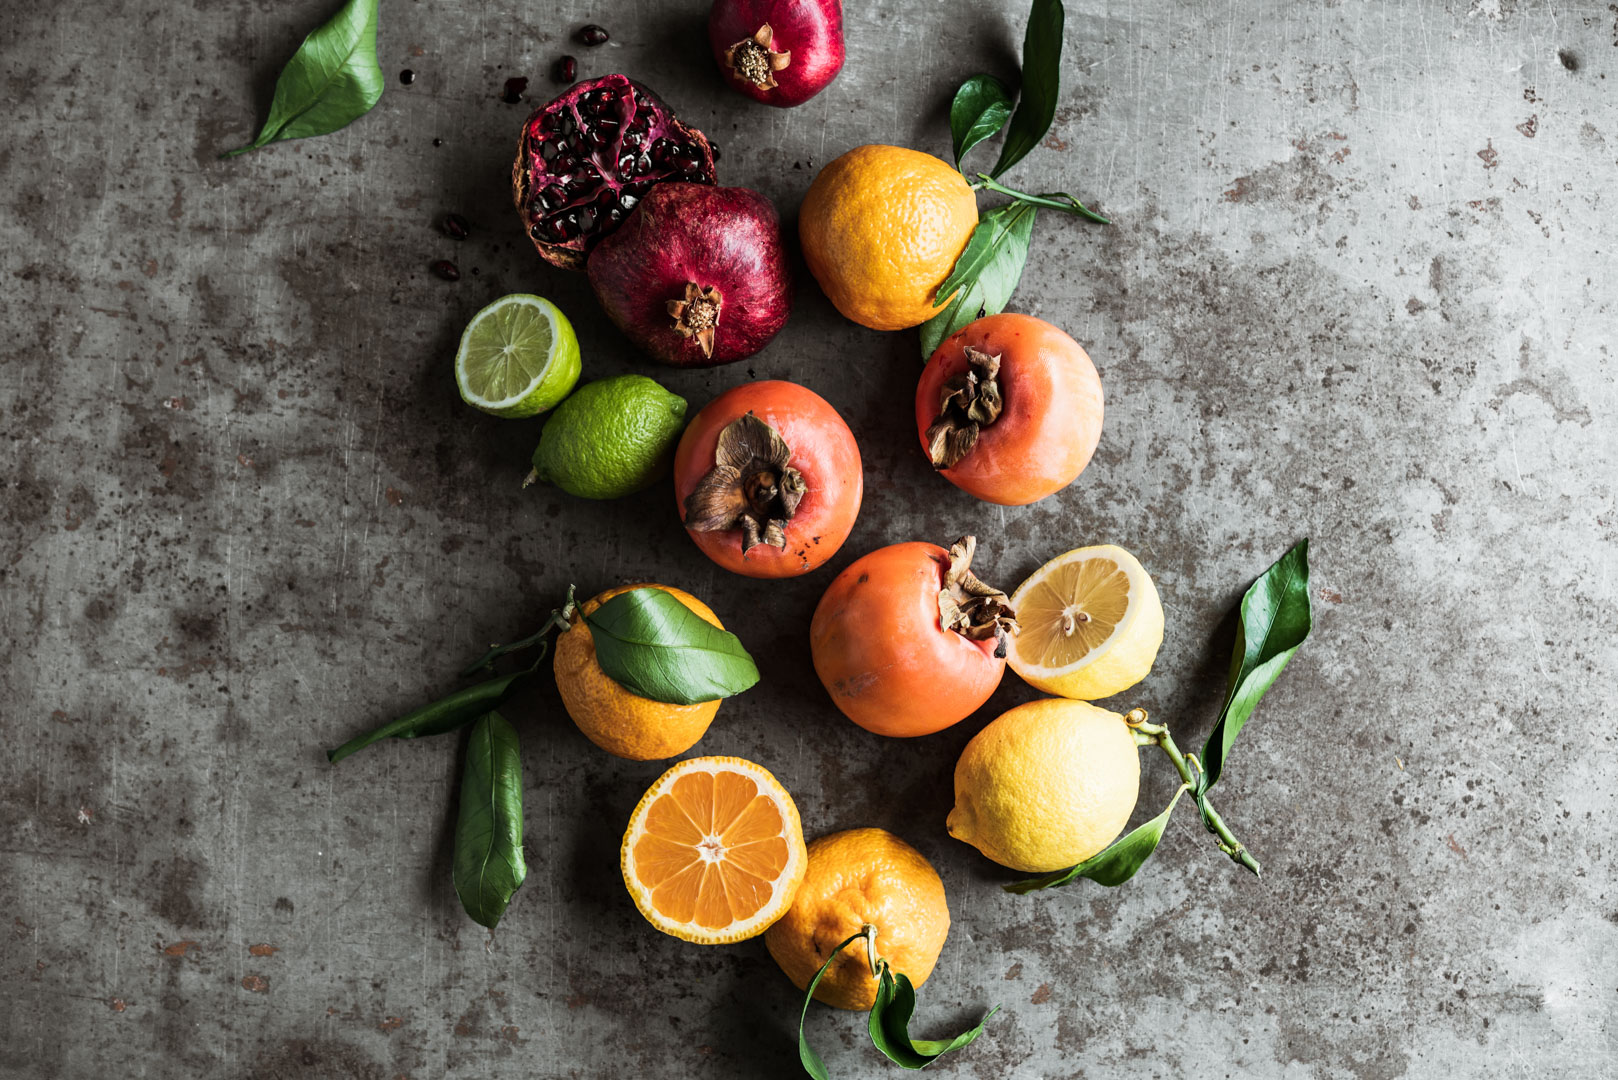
(518, 357)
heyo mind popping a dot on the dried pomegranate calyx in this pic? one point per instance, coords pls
(697, 314)
(754, 61)
(968, 403)
(752, 486)
(971, 608)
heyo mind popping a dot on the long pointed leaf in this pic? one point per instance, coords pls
(1041, 84)
(440, 717)
(1276, 618)
(981, 108)
(806, 1054)
(986, 274)
(1113, 866)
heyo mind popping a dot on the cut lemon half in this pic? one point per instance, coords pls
(714, 852)
(1091, 624)
(518, 357)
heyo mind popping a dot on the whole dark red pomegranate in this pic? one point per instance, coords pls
(697, 276)
(780, 52)
(586, 159)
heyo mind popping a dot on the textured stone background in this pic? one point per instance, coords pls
(1360, 288)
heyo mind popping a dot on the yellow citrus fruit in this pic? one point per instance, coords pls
(855, 878)
(1091, 624)
(610, 716)
(881, 228)
(1046, 785)
(714, 852)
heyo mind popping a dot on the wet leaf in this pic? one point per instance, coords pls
(889, 1025)
(1113, 866)
(655, 647)
(981, 108)
(1275, 620)
(986, 273)
(489, 866)
(1041, 84)
(331, 81)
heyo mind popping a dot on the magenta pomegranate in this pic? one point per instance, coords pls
(780, 52)
(697, 276)
(586, 159)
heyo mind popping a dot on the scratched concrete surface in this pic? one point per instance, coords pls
(1360, 288)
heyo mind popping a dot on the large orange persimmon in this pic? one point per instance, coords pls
(1009, 409)
(908, 641)
(768, 479)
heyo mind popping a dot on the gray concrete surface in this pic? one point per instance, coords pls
(1360, 288)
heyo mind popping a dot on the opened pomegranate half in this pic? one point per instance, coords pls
(586, 159)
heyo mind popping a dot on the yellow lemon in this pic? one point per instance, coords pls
(1046, 785)
(1091, 624)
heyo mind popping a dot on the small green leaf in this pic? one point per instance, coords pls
(488, 865)
(1041, 84)
(981, 108)
(1275, 620)
(437, 718)
(656, 647)
(986, 273)
(1113, 866)
(806, 1054)
(889, 1025)
(331, 81)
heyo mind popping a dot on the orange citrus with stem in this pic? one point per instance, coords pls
(881, 228)
(614, 719)
(860, 878)
(714, 852)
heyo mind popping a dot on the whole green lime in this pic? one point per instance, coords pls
(611, 438)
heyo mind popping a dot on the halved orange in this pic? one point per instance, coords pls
(714, 852)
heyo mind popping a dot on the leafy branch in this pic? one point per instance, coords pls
(1275, 620)
(987, 271)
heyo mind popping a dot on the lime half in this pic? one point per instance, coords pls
(518, 357)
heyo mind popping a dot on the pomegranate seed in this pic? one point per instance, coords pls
(515, 87)
(566, 70)
(593, 35)
(446, 270)
(455, 226)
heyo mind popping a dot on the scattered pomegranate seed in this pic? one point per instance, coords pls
(593, 35)
(566, 70)
(446, 270)
(455, 226)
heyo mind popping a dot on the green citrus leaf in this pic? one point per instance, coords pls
(1113, 866)
(1041, 84)
(889, 1025)
(438, 718)
(1275, 620)
(331, 81)
(806, 1054)
(981, 108)
(655, 647)
(986, 274)
(489, 866)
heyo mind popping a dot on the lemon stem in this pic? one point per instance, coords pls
(1190, 770)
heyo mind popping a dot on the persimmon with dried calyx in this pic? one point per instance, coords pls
(1009, 409)
(908, 640)
(768, 480)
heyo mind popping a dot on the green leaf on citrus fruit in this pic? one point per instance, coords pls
(1275, 620)
(655, 647)
(985, 275)
(1113, 866)
(812, 1064)
(889, 1024)
(981, 108)
(331, 81)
